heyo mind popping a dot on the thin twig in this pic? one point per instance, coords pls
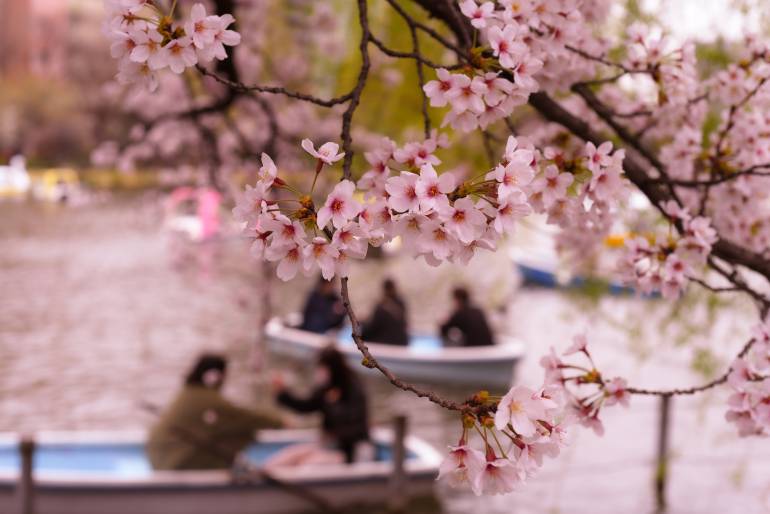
(276, 90)
(692, 390)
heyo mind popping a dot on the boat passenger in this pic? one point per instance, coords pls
(388, 322)
(323, 309)
(341, 400)
(467, 326)
(201, 429)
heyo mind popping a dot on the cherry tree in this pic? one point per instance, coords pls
(577, 122)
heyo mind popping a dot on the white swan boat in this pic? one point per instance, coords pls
(424, 360)
(108, 473)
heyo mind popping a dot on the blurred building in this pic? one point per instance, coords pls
(35, 35)
(14, 36)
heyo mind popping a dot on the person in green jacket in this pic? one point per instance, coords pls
(201, 429)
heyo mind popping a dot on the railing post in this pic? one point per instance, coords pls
(26, 484)
(661, 467)
(398, 497)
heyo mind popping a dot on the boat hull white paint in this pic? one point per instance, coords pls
(217, 492)
(482, 367)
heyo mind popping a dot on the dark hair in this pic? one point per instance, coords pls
(389, 287)
(461, 295)
(206, 362)
(340, 375)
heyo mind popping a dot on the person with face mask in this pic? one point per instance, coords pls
(342, 402)
(201, 429)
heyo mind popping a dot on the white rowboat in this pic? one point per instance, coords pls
(108, 473)
(425, 360)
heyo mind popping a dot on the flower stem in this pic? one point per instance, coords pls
(500, 446)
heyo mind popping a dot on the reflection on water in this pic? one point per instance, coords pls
(100, 312)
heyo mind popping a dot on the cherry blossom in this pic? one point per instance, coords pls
(290, 259)
(322, 255)
(142, 34)
(552, 185)
(708, 199)
(520, 408)
(340, 207)
(432, 189)
(326, 153)
(615, 391)
(438, 90)
(499, 476)
(579, 344)
(222, 36)
(462, 465)
(268, 172)
(465, 220)
(199, 27)
(478, 14)
(504, 45)
(598, 157)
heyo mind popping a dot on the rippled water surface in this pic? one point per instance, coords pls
(100, 312)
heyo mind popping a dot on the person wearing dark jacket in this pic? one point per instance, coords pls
(201, 429)
(323, 309)
(388, 322)
(340, 399)
(467, 326)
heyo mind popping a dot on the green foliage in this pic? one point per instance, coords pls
(705, 363)
(391, 103)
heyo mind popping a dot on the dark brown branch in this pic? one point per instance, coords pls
(371, 362)
(421, 81)
(713, 289)
(692, 390)
(358, 89)
(636, 172)
(276, 90)
(752, 171)
(731, 115)
(436, 11)
(606, 114)
(416, 55)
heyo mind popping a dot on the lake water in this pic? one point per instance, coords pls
(100, 313)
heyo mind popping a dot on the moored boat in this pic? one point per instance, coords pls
(108, 473)
(425, 360)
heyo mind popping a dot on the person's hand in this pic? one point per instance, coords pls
(332, 395)
(277, 383)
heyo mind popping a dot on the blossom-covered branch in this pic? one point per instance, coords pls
(706, 186)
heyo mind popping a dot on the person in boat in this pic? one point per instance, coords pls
(467, 326)
(201, 429)
(388, 323)
(323, 308)
(342, 402)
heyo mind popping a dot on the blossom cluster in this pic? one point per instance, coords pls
(672, 67)
(524, 426)
(516, 40)
(749, 378)
(531, 427)
(663, 263)
(436, 216)
(570, 377)
(440, 217)
(580, 191)
(145, 39)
